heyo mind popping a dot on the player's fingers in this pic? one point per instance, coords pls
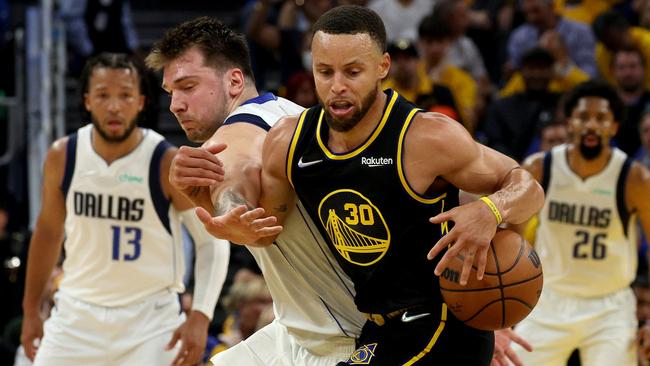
(30, 348)
(216, 148)
(513, 358)
(172, 342)
(481, 261)
(441, 245)
(442, 217)
(468, 261)
(248, 217)
(203, 215)
(263, 222)
(520, 341)
(269, 231)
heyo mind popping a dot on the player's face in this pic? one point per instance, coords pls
(348, 69)
(199, 97)
(114, 102)
(591, 125)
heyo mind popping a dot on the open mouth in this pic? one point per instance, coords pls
(591, 140)
(340, 108)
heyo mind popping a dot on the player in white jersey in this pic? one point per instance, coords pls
(106, 192)
(206, 69)
(587, 239)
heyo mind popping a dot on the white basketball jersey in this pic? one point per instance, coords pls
(121, 244)
(310, 291)
(586, 239)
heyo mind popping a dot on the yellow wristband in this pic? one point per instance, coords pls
(493, 208)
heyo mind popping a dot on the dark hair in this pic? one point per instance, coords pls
(537, 56)
(594, 88)
(221, 46)
(609, 20)
(110, 61)
(402, 47)
(431, 29)
(352, 19)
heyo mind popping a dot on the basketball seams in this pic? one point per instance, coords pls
(494, 287)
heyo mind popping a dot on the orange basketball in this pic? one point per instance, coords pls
(508, 291)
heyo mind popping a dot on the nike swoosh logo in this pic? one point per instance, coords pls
(302, 164)
(407, 319)
(160, 306)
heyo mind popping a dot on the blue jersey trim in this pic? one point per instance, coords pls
(160, 202)
(623, 212)
(546, 171)
(248, 118)
(70, 159)
(261, 99)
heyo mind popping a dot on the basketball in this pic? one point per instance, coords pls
(508, 291)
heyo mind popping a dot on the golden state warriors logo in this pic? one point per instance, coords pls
(355, 226)
(362, 355)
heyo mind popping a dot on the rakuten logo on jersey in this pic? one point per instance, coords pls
(375, 162)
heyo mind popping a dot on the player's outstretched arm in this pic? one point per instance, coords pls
(45, 245)
(513, 194)
(211, 267)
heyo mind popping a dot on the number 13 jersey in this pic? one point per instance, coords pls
(119, 245)
(586, 238)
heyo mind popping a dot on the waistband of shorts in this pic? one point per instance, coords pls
(156, 296)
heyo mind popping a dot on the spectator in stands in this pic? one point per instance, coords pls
(614, 32)
(629, 69)
(644, 132)
(401, 17)
(462, 51)
(95, 26)
(513, 122)
(541, 19)
(553, 134)
(434, 39)
(249, 307)
(300, 89)
(403, 77)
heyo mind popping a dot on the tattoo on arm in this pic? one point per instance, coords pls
(229, 199)
(194, 191)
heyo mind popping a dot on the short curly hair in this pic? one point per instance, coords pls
(222, 47)
(595, 88)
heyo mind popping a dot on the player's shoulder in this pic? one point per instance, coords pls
(639, 175)
(438, 132)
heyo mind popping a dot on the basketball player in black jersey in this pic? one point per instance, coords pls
(382, 179)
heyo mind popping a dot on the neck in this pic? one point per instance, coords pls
(111, 151)
(586, 168)
(631, 97)
(342, 142)
(249, 92)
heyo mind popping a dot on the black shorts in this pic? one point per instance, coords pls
(425, 340)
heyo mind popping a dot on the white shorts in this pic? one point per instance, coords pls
(274, 346)
(603, 329)
(78, 333)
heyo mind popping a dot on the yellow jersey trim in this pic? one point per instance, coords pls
(400, 166)
(292, 145)
(359, 149)
(434, 339)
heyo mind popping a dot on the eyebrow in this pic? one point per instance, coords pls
(355, 61)
(179, 80)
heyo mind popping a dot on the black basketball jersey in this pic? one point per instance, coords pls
(375, 224)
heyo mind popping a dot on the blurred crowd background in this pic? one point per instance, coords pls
(499, 67)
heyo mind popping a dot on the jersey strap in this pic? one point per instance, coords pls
(248, 118)
(157, 195)
(70, 159)
(546, 170)
(623, 212)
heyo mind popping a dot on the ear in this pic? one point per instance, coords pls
(141, 100)
(235, 82)
(87, 102)
(613, 129)
(384, 65)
